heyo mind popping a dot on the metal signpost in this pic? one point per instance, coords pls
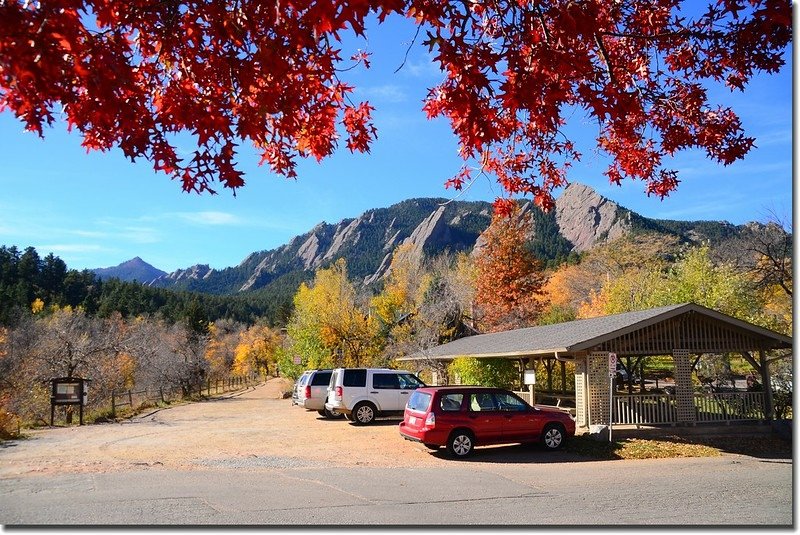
(612, 372)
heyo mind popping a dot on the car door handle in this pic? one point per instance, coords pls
(403, 393)
(374, 392)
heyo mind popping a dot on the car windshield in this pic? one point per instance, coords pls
(419, 401)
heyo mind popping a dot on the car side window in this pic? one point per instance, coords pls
(385, 381)
(321, 378)
(507, 402)
(355, 377)
(451, 402)
(482, 401)
(409, 381)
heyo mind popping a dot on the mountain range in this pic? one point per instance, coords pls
(582, 219)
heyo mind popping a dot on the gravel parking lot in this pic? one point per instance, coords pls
(253, 428)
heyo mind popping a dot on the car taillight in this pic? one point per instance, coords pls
(308, 391)
(338, 391)
(430, 421)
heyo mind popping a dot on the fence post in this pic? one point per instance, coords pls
(130, 399)
(113, 405)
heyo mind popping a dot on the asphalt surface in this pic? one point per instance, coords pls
(372, 478)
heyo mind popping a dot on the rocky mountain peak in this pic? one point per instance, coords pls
(586, 218)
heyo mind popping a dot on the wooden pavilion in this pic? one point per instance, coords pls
(684, 331)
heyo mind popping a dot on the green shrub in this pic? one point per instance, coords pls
(500, 373)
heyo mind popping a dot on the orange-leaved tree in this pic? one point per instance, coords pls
(133, 74)
(509, 277)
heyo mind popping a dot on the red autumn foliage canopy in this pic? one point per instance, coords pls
(133, 74)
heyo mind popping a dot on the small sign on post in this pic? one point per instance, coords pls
(612, 364)
(68, 391)
(529, 378)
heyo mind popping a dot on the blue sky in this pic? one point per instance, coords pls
(98, 209)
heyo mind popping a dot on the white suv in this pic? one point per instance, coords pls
(362, 394)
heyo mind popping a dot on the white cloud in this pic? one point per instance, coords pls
(389, 93)
(138, 235)
(421, 69)
(60, 248)
(88, 233)
(209, 218)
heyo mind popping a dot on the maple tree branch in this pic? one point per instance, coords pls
(599, 40)
(405, 58)
(540, 16)
(703, 36)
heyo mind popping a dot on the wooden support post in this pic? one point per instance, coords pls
(765, 380)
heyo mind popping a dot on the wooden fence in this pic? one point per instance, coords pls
(709, 407)
(137, 398)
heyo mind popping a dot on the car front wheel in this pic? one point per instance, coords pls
(364, 414)
(460, 444)
(553, 436)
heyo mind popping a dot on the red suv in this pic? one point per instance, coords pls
(461, 417)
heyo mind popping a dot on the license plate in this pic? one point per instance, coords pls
(412, 420)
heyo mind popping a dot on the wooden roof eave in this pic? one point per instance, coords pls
(510, 354)
(782, 340)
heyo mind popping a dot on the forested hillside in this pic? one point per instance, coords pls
(29, 281)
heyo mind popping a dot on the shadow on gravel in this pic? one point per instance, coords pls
(379, 423)
(760, 447)
(515, 454)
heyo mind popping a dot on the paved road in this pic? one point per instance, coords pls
(389, 481)
(715, 491)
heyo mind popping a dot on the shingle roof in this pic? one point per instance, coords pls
(572, 336)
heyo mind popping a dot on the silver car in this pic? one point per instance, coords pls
(299, 386)
(311, 391)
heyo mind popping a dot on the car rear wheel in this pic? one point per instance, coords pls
(364, 413)
(460, 444)
(332, 415)
(553, 436)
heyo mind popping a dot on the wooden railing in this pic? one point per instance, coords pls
(644, 409)
(729, 406)
(710, 407)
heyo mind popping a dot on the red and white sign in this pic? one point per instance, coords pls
(612, 364)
